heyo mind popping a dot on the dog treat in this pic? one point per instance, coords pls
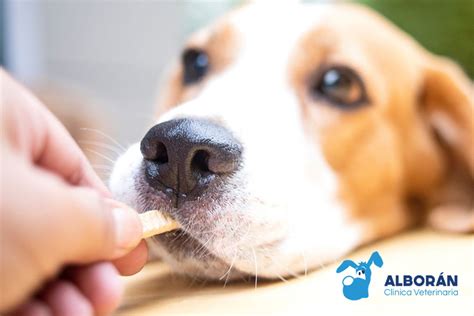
(155, 222)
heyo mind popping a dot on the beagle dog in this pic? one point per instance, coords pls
(287, 136)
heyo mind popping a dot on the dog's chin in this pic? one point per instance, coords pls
(187, 256)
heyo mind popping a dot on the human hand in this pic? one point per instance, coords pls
(62, 241)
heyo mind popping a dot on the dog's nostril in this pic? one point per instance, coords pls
(200, 161)
(154, 151)
(161, 154)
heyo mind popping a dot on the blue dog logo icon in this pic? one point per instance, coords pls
(358, 287)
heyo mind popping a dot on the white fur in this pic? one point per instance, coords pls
(289, 203)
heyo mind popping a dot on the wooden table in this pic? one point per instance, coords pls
(156, 291)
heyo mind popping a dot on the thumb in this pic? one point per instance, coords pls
(97, 228)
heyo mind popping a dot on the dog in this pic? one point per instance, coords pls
(358, 287)
(285, 137)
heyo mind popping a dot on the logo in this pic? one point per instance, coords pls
(358, 287)
(422, 285)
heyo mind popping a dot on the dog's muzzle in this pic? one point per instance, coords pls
(184, 156)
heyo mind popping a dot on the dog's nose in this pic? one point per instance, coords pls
(184, 154)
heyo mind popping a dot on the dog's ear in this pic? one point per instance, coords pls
(346, 264)
(376, 259)
(446, 101)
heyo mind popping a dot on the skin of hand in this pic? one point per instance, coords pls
(63, 241)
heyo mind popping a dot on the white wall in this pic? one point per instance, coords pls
(113, 50)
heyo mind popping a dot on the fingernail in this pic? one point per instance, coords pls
(128, 230)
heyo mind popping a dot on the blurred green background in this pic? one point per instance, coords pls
(445, 27)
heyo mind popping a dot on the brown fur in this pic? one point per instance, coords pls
(386, 153)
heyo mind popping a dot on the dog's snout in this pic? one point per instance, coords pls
(183, 154)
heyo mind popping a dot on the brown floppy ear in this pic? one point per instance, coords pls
(447, 102)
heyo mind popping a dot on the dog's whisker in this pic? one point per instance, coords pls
(113, 148)
(104, 135)
(100, 155)
(291, 273)
(202, 248)
(108, 167)
(104, 175)
(256, 266)
(305, 262)
(103, 169)
(227, 274)
(242, 239)
(281, 277)
(179, 235)
(193, 281)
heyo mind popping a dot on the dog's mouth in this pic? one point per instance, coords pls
(194, 240)
(224, 231)
(210, 252)
(179, 241)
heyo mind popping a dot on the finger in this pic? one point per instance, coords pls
(101, 285)
(34, 307)
(98, 229)
(64, 299)
(134, 261)
(45, 140)
(51, 224)
(73, 225)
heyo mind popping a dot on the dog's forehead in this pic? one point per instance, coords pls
(264, 35)
(261, 31)
(280, 25)
(270, 34)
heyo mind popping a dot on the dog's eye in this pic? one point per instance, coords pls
(340, 86)
(363, 271)
(195, 64)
